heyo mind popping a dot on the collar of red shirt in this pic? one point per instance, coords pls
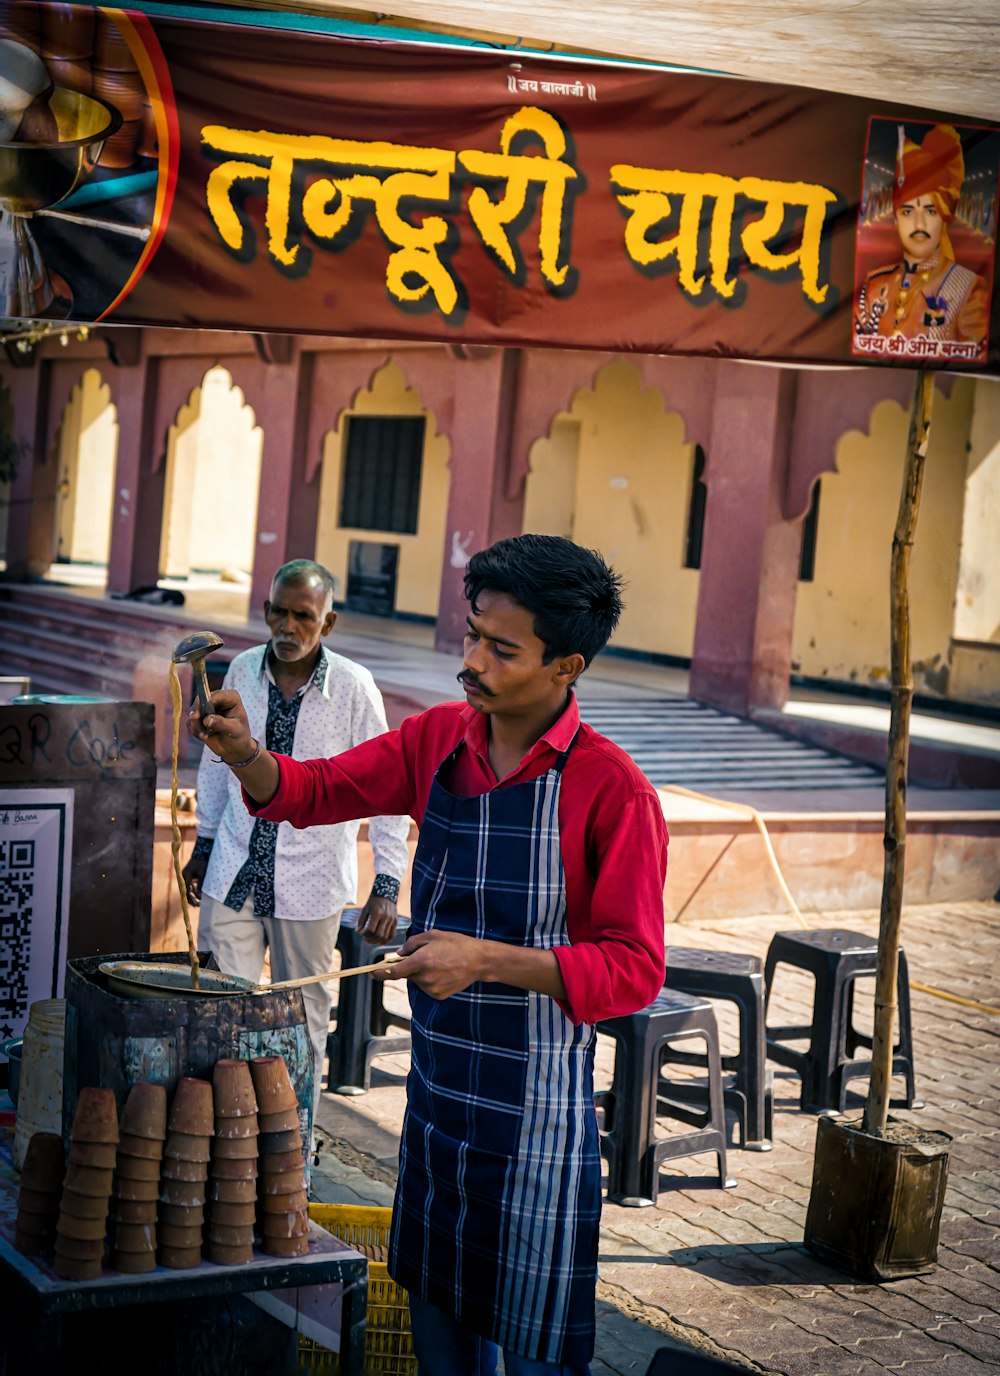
(557, 738)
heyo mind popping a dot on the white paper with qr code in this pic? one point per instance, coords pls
(36, 843)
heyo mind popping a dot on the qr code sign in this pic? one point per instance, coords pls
(17, 911)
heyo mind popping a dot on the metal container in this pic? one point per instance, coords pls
(116, 1040)
(876, 1202)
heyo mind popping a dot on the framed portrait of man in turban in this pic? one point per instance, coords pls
(925, 244)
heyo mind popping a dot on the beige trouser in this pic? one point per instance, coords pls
(240, 940)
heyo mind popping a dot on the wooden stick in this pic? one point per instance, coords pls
(877, 1103)
(390, 959)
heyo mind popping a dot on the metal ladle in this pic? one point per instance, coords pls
(193, 650)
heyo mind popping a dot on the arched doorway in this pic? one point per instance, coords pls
(214, 449)
(86, 451)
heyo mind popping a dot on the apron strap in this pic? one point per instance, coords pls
(561, 760)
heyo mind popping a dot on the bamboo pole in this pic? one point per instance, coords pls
(877, 1103)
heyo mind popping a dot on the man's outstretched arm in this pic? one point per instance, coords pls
(226, 732)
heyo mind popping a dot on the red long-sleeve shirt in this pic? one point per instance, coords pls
(612, 834)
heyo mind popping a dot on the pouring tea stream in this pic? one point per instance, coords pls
(192, 650)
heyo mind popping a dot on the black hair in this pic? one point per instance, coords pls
(573, 594)
(301, 571)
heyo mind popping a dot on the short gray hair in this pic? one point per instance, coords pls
(302, 570)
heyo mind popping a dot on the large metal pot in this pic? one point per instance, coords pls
(12, 1050)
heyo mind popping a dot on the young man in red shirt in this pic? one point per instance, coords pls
(537, 910)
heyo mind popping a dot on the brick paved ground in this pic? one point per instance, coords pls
(725, 1271)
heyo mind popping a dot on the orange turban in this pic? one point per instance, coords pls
(935, 167)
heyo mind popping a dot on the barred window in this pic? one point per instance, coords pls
(382, 462)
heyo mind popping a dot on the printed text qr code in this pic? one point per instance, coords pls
(17, 892)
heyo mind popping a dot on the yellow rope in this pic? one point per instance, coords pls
(759, 822)
(175, 844)
(953, 998)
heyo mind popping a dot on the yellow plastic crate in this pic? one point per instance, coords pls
(388, 1346)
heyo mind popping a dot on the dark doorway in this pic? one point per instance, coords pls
(371, 577)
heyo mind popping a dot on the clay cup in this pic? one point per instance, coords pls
(182, 1216)
(191, 1110)
(174, 1168)
(96, 1116)
(145, 1111)
(188, 1146)
(272, 1085)
(279, 1122)
(234, 1148)
(285, 1246)
(101, 1154)
(233, 1091)
(44, 1162)
(149, 1147)
(137, 1168)
(178, 1258)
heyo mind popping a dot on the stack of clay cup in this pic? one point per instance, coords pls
(143, 1127)
(232, 1187)
(282, 1201)
(86, 1196)
(184, 1174)
(38, 1198)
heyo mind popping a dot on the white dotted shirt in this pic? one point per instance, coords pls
(315, 869)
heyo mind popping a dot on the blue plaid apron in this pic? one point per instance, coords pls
(498, 1204)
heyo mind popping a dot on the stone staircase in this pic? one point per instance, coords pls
(84, 646)
(677, 741)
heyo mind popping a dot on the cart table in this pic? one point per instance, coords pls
(37, 1301)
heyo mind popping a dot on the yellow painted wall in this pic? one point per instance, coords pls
(550, 491)
(975, 672)
(214, 447)
(977, 604)
(631, 487)
(87, 450)
(842, 617)
(418, 583)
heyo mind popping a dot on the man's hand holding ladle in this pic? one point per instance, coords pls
(226, 732)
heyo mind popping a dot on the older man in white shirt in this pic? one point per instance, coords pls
(265, 886)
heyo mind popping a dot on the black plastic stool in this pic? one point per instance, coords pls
(362, 1017)
(639, 1093)
(738, 979)
(836, 958)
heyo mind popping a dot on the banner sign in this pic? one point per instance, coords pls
(158, 169)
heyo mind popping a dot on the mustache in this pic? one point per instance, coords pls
(471, 681)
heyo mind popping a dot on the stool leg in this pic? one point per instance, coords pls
(633, 1125)
(820, 1085)
(348, 1072)
(906, 1032)
(751, 1071)
(852, 1039)
(717, 1112)
(770, 961)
